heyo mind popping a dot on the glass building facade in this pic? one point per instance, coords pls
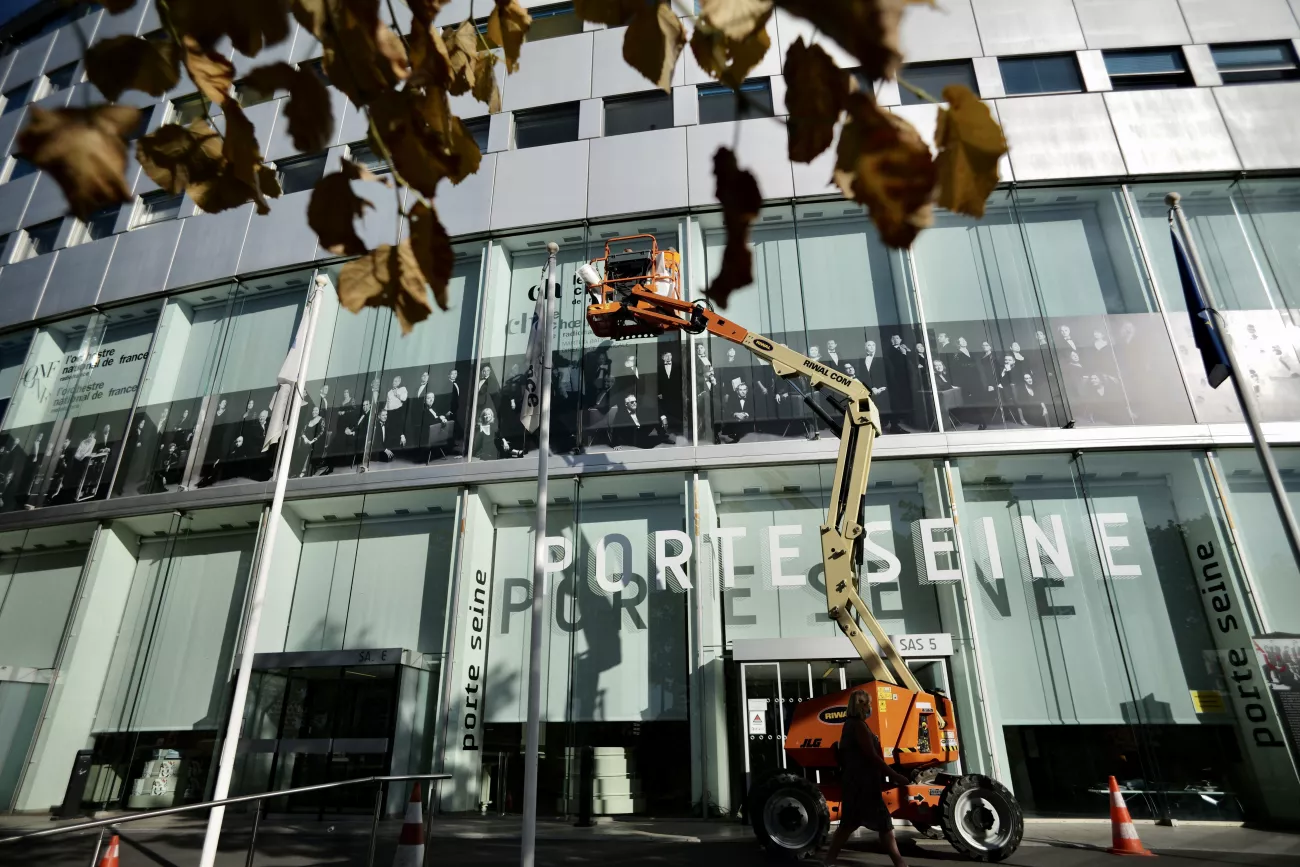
(1057, 491)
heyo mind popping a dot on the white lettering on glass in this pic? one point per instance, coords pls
(875, 552)
(666, 563)
(1109, 544)
(603, 579)
(933, 547)
(776, 553)
(727, 551)
(991, 545)
(1036, 543)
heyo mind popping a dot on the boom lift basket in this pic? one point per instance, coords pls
(615, 279)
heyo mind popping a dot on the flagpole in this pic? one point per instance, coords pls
(284, 460)
(528, 838)
(1249, 409)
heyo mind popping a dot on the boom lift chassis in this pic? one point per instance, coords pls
(639, 295)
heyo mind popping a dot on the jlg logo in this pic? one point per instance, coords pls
(810, 743)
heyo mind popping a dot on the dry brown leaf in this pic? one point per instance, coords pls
(427, 142)
(611, 13)
(485, 81)
(250, 24)
(175, 156)
(884, 164)
(426, 10)
(653, 42)
(462, 51)
(210, 72)
(332, 211)
(132, 63)
(729, 60)
(432, 248)
(970, 142)
(84, 150)
(741, 201)
(507, 26)
(737, 19)
(244, 155)
(117, 7)
(361, 55)
(430, 62)
(389, 277)
(816, 93)
(867, 29)
(308, 110)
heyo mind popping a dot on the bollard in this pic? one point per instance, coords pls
(586, 787)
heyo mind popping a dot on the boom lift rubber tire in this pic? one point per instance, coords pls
(789, 816)
(981, 818)
(926, 776)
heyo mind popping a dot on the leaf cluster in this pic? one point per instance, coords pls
(403, 84)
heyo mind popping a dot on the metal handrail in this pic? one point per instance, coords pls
(170, 811)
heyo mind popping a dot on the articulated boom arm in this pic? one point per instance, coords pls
(637, 311)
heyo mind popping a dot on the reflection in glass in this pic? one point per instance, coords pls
(66, 425)
(205, 404)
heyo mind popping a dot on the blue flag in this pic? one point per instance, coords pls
(1204, 329)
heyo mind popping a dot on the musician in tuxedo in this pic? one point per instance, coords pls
(259, 464)
(871, 372)
(833, 355)
(387, 439)
(448, 405)
(141, 453)
(634, 431)
(357, 431)
(738, 420)
(898, 375)
(433, 439)
(669, 393)
(1031, 401)
(312, 442)
(247, 423)
(395, 403)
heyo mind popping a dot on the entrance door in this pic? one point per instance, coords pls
(764, 707)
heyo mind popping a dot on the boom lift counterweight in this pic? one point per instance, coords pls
(639, 295)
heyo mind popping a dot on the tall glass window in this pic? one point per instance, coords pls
(615, 646)
(67, 422)
(1240, 232)
(205, 403)
(381, 399)
(994, 364)
(1102, 592)
(348, 687)
(165, 690)
(39, 574)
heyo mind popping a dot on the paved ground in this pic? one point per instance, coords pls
(480, 843)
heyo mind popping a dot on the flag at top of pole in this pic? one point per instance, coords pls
(286, 380)
(531, 411)
(1205, 330)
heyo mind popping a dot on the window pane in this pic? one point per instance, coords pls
(547, 126)
(43, 236)
(720, 104)
(377, 396)
(934, 77)
(21, 169)
(16, 98)
(299, 175)
(1156, 60)
(62, 78)
(187, 110)
(478, 127)
(1246, 259)
(640, 113)
(158, 207)
(552, 21)
(1052, 74)
(363, 154)
(206, 401)
(67, 429)
(1252, 56)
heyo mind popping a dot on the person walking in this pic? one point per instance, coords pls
(862, 777)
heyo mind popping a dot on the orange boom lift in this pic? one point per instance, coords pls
(637, 293)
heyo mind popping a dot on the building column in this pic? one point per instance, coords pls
(74, 697)
(710, 767)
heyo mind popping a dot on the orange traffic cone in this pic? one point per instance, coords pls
(1124, 836)
(110, 855)
(410, 846)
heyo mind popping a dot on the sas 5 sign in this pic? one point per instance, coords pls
(926, 644)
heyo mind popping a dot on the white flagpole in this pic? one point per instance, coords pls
(284, 458)
(528, 838)
(1245, 397)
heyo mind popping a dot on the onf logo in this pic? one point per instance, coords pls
(834, 715)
